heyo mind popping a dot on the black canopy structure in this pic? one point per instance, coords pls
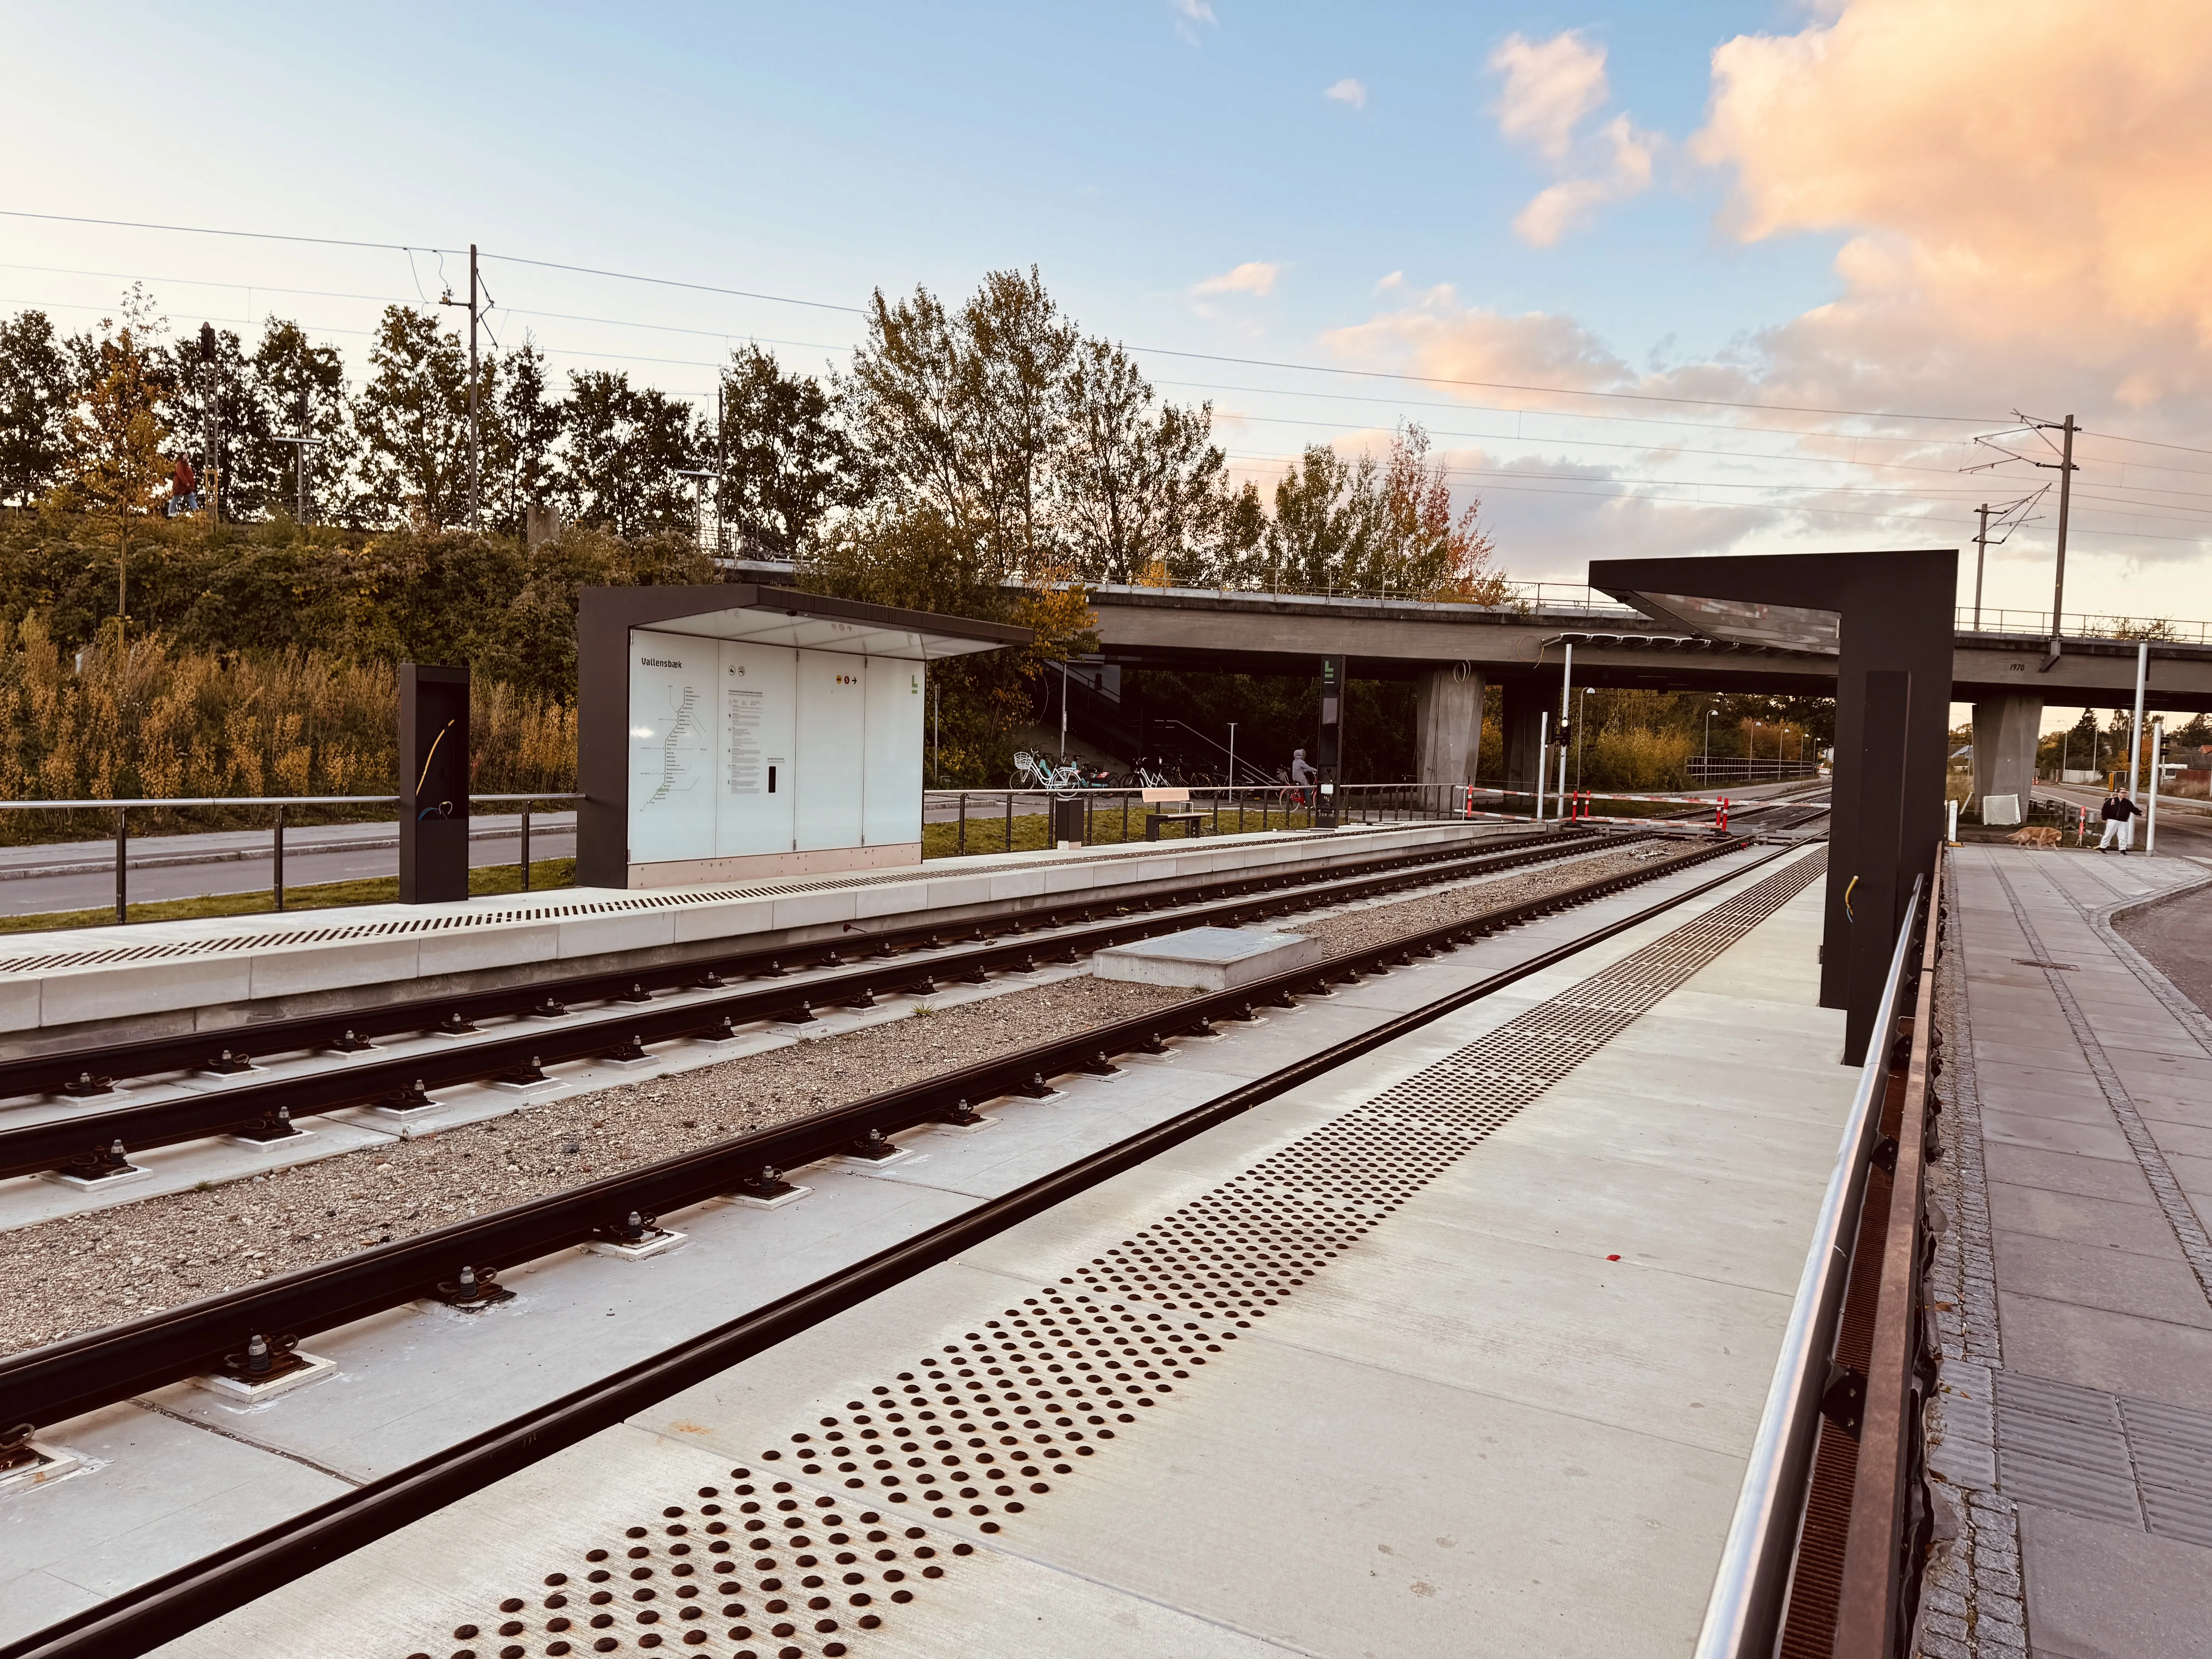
(1887, 617)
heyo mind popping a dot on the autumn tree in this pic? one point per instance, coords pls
(963, 412)
(299, 391)
(624, 449)
(413, 416)
(1327, 533)
(786, 461)
(525, 428)
(1142, 489)
(37, 385)
(115, 435)
(1357, 524)
(1430, 552)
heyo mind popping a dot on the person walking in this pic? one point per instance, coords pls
(2119, 814)
(1303, 776)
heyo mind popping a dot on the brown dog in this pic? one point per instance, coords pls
(2034, 834)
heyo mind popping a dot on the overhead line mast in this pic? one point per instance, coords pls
(476, 443)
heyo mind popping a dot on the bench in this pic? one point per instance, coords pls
(1194, 823)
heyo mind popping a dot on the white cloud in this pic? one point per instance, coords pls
(1348, 91)
(1559, 208)
(1991, 254)
(1254, 276)
(1436, 335)
(1188, 14)
(1549, 86)
(1396, 279)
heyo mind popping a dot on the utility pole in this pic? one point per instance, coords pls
(476, 441)
(302, 444)
(1566, 711)
(2135, 726)
(1981, 548)
(698, 498)
(210, 421)
(2065, 465)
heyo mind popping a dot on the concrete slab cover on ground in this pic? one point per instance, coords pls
(1459, 1349)
(1208, 959)
(2074, 1290)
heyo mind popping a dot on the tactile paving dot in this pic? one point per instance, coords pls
(780, 1566)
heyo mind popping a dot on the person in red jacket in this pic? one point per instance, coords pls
(183, 489)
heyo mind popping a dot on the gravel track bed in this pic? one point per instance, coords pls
(1357, 930)
(82, 1272)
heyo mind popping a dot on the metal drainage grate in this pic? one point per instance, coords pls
(110, 956)
(977, 1429)
(2105, 1456)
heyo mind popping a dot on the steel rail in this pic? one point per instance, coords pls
(88, 1072)
(1745, 1608)
(83, 1373)
(264, 1109)
(144, 1617)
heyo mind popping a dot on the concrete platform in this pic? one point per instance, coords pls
(1430, 1356)
(163, 978)
(411, 1382)
(2075, 1432)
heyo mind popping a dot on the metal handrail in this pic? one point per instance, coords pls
(2081, 625)
(122, 810)
(164, 801)
(1744, 1612)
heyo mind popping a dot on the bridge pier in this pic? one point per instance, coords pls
(2006, 729)
(1448, 723)
(1527, 702)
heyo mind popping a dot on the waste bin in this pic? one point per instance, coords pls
(1067, 822)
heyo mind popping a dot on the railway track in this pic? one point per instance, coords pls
(691, 1001)
(458, 1264)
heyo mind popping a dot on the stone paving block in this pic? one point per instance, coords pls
(2099, 1276)
(2117, 1352)
(2115, 1181)
(2100, 1591)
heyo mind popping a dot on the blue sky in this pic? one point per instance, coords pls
(1136, 152)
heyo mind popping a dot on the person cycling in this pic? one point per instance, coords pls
(1303, 777)
(184, 489)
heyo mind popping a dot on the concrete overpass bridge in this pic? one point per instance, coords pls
(1454, 652)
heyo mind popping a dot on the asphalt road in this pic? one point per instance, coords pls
(81, 875)
(2177, 937)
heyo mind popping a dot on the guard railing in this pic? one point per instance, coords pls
(281, 804)
(1831, 1526)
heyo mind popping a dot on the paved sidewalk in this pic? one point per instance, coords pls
(2074, 1283)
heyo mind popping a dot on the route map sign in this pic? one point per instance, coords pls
(715, 725)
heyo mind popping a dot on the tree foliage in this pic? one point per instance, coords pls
(983, 456)
(37, 386)
(995, 420)
(786, 461)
